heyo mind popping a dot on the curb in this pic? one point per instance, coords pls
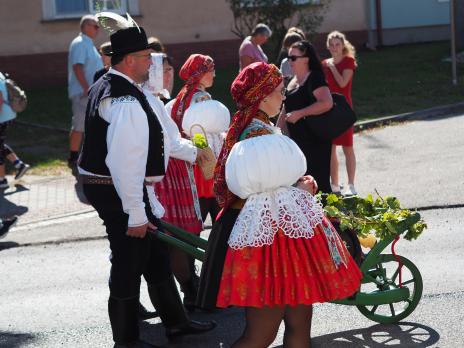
(449, 109)
(35, 125)
(442, 110)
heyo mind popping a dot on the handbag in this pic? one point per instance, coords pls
(334, 122)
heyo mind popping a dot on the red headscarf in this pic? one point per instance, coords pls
(249, 88)
(193, 70)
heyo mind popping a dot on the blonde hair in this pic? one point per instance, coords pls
(348, 48)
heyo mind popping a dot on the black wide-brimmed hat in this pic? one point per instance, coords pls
(128, 40)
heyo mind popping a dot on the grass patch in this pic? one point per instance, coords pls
(389, 81)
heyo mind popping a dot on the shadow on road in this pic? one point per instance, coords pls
(230, 324)
(15, 339)
(404, 335)
(7, 245)
(7, 208)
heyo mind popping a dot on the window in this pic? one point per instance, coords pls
(249, 3)
(58, 9)
(310, 2)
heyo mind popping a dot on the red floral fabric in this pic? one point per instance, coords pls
(175, 195)
(252, 85)
(290, 271)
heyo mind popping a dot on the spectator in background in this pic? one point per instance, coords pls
(7, 116)
(83, 61)
(155, 44)
(292, 31)
(105, 51)
(308, 95)
(290, 38)
(339, 71)
(250, 50)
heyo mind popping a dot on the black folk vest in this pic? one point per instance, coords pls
(94, 148)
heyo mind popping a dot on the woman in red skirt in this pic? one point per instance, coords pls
(339, 71)
(177, 191)
(280, 254)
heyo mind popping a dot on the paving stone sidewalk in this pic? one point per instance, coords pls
(38, 198)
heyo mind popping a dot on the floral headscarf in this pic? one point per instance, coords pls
(250, 87)
(193, 70)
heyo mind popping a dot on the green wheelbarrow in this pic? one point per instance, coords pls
(391, 287)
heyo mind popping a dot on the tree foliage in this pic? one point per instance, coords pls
(279, 15)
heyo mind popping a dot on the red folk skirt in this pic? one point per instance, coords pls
(175, 195)
(204, 187)
(290, 271)
(344, 139)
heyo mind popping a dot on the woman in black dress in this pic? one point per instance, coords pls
(308, 95)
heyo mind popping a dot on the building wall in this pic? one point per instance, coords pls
(34, 50)
(408, 21)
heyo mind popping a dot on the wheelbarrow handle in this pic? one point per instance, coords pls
(183, 235)
(179, 244)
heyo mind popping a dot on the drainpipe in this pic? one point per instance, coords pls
(378, 18)
(453, 42)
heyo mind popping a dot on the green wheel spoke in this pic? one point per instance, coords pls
(374, 309)
(393, 278)
(392, 309)
(373, 280)
(409, 281)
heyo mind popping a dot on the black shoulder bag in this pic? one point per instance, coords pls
(334, 122)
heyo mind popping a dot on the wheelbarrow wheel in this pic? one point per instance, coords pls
(387, 271)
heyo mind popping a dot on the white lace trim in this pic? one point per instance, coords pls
(291, 209)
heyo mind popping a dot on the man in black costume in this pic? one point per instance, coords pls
(123, 154)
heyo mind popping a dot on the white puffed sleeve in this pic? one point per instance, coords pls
(212, 115)
(263, 164)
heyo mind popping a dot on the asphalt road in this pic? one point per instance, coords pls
(53, 293)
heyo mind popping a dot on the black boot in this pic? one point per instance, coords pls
(145, 314)
(190, 290)
(124, 323)
(167, 302)
(124, 319)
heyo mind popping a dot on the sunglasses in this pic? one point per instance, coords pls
(293, 58)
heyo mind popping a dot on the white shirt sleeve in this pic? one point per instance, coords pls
(179, 147)
(127, 140)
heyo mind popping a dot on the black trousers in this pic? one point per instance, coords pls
(5, 150)
(130, 257)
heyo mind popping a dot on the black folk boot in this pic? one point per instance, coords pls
(190, 288)
(125, 323)
(145, 314)
(166, 300)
